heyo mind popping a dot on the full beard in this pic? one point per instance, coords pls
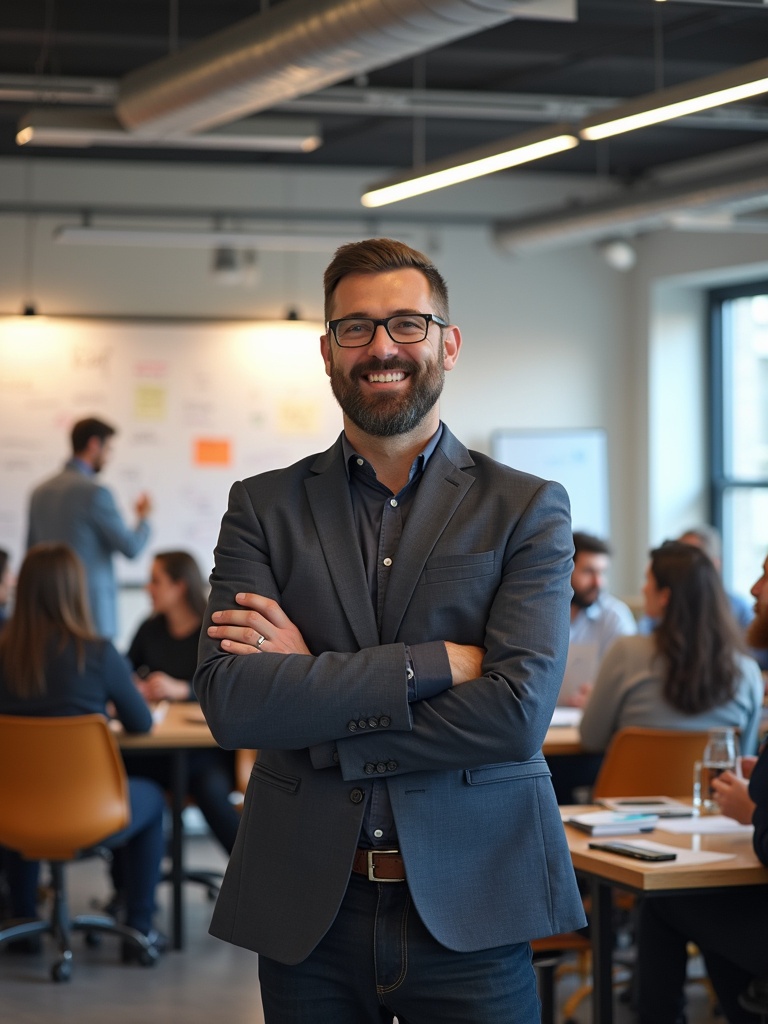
(387, 414)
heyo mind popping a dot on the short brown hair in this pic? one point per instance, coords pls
(377, 255)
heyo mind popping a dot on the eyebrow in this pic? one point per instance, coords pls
(367, 316)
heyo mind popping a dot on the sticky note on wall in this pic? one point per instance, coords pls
(210, 451)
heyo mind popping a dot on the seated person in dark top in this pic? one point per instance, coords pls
(728, 927)
(53, 664)
(163, 654)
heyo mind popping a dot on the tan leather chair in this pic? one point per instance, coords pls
(649, 762)
(63, 790)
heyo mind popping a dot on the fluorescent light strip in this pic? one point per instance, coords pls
(473, 163)
(169, 238)
(689, 98)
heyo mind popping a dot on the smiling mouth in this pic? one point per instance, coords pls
(388, 377)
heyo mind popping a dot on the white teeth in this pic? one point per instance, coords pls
(385, 378)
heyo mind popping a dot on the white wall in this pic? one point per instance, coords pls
(557, 339)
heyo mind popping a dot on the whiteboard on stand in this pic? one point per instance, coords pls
(577, 459)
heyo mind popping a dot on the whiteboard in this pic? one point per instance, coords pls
(197, 405)
(577, 459)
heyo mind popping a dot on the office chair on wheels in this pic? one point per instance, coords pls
(63, 790)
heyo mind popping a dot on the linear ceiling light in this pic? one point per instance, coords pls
(473, 163)
(65, 126)
(178, 238)
(677, 101)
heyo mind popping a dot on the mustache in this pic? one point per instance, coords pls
(381, 366)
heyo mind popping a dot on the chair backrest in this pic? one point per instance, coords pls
(650, 762)
(63, 786)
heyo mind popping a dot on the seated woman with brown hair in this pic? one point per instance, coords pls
(53, 664)
(690, 673)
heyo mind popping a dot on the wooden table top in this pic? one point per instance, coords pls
(743, 868)
(182, 725)
(562, 739)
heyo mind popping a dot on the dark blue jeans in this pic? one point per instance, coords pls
(140, 847)
(378, 961)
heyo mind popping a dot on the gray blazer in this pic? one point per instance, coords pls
(485, 559)
(74, 509)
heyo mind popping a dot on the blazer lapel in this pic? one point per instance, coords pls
(438, 496)
(331, 506)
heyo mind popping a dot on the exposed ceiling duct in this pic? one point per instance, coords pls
(685, 205)
(298, 47)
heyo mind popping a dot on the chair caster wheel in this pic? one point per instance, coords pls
(62, 971)
(92, 940)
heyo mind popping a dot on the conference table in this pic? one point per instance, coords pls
(606, 871)
(178, 728)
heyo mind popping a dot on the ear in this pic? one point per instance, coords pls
(325, 351)
(451, 346)
(664, 595)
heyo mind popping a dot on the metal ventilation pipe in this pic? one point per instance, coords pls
(298, 47)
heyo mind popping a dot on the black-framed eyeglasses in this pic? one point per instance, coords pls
(403, 328)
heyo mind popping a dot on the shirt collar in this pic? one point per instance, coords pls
(419, 463)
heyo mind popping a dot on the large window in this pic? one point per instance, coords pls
(739, 332)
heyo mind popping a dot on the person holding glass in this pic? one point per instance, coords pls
(690, 673)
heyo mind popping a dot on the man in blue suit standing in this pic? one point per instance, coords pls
(73, 508)
(388, 623)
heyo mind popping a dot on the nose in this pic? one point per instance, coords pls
(381, 344)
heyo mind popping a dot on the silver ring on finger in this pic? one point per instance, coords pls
(260, 641)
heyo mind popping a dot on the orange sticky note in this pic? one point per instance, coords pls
(211, 451)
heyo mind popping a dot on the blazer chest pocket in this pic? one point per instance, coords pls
(445, 568)
(508, 772)
(263, 773)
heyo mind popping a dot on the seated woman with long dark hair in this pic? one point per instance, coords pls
(53, 664)
(690, 673)
(164, 655)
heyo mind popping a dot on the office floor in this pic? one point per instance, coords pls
(208, 981)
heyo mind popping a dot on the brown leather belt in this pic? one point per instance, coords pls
(379, 865)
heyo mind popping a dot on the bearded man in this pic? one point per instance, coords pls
(388, 623)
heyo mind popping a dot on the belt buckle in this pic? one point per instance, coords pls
(372, 877)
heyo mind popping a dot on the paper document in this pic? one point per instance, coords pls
(707, 824)
(566, 716)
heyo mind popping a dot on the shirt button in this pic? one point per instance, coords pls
(361, 462)
(377, 833)
(356, 796)
(393, 502)
(387, 562)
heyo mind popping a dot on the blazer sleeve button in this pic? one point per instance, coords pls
(356, 796)
(352, 726)
(362, 724)
(381, 767)
(392, 766)
(385, 721)
(370, 768)
(373, 722)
